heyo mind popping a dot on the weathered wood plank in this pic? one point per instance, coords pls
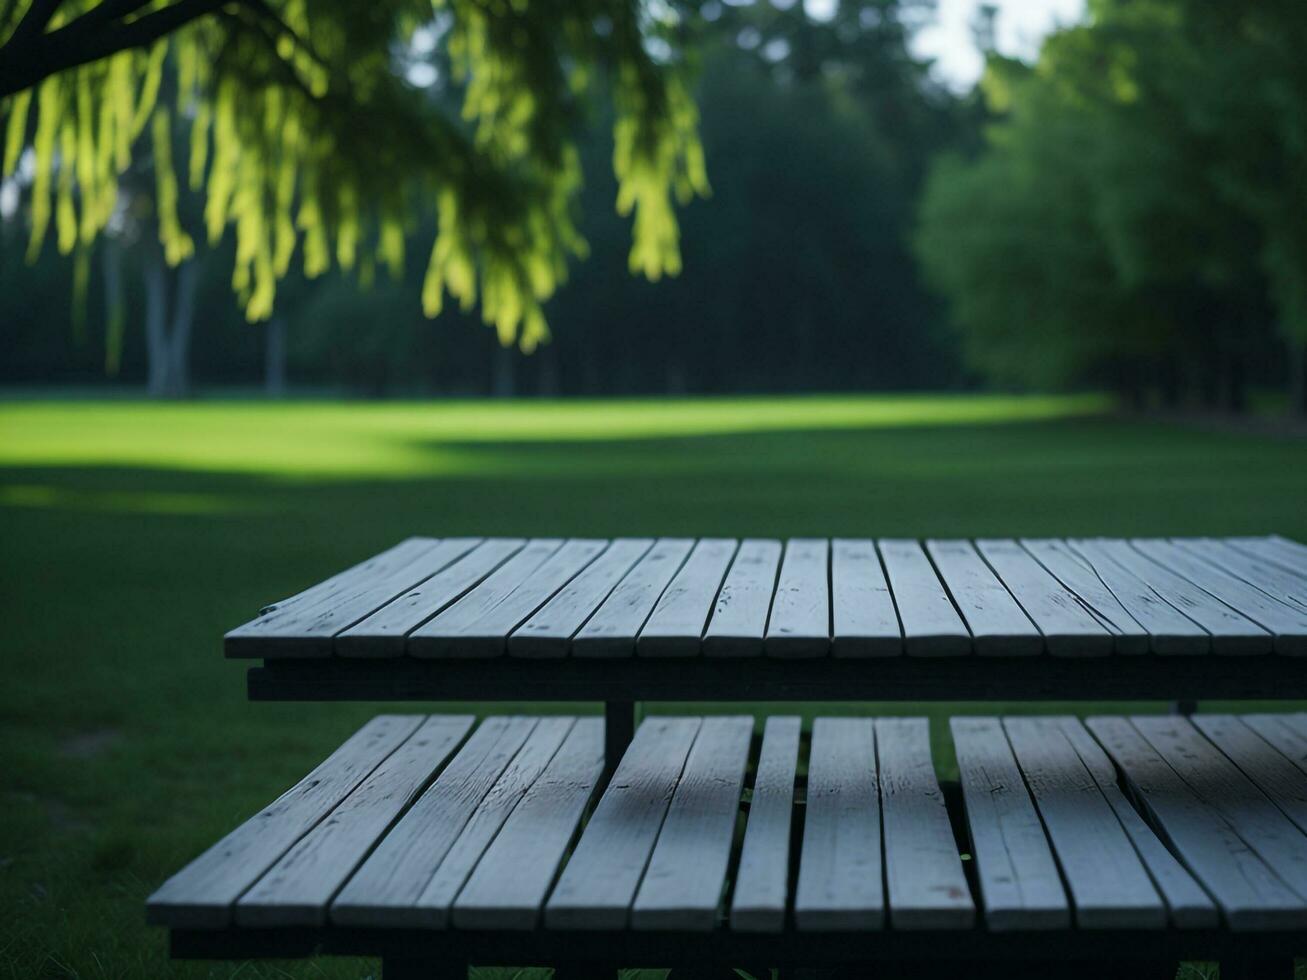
(201, 895)
(931, 626)
(1069, 628)
(296, 890)
(1078, 576)
(387, 886)
(1109, 887)
(1275, 581)
(676, 625)
(840, 868)
(506, 606)
(997, 623)
(864, 622)
(612, 630)
(305, 629)
(1279, 731)
(1019, 883)
(1286, 623)
(799, 624)
(370, 569)
(762, 882)
(1283, 782)
(508, 887)
(923, 870)
(1230, 633)
(599, 883)
(1272, 550)
(1249, 894)
(739, 617)
(1190, 907)
(383, 633)
(682, 887)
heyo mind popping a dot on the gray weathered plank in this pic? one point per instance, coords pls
(370, 569)
(200, 896)
(305, 629)
(612, 630)
(923, 870)
(864, 622)
(599, 883)
(508, 887)
(1271, 549)
(549, 632)
(1107, 881)
(682, 887)
(799, 624)
(433, 905)
(1080, 578)
(1069, 628)
(1286, 623)
(296, 890)
(762, 881)
(499, 606)
(931, 626)
(1277, 582)
(1019, 883)
(1249, 894)
(1283, 782)
(386, 887)
(1230, 633)
(676, 625)
(382, 634)
(1279, 731)
(997, 623)
(739, 617)
(1190, 907)
(839, 886)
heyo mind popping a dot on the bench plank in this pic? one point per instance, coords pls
(612, 630)
(295, 891)
(1019, 883)
(676, 625)
(383, 633)
(739, 617)
(997, 622)
(549, 632)
(201, 895)
(799, 624)
(1270, 578)
(1079, 577)
(923, 870)
(931, 625)
(1271, 549)
(682, 887)
(1068, 627)
(385, 889)
(1109, 887)
(1279, 731)
(839, 886)
(1249, 894)
(599, 883)
(762, 880)
(508, 887)
(1286, 623)
(1190, 907)
(1283, 782)
(864, 622)
(305, 629)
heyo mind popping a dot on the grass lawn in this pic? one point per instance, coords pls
(134, 534)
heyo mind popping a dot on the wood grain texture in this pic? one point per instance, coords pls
(675, 627)
(739, 616)
(599, 883)
(1279, 731)
(799, 624)
(931, 625)
(612, 630)
(1277, 582)
(370, 569)
(864, 622)
(997, 623)
(1282, 782)
(760, 898)
(508, 887)
(1020, 887)
(201, 895)
(682, 887)
(1271, 550)
(840, 867)
(923, 870)
(1079, 577)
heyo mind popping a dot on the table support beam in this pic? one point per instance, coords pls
(619, 729)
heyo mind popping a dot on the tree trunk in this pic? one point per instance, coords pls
(156, 313)
(183, 318)
(115, 314)
(274, 360)
(168, 347)
(505, 379)
(1298, 377)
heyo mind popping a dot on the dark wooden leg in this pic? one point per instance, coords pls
(396, 968)
(619, 729)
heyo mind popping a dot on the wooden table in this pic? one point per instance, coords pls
(716, 619)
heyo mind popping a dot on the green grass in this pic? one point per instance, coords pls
(132, 535)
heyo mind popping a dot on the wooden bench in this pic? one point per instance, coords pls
(1116, 847)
